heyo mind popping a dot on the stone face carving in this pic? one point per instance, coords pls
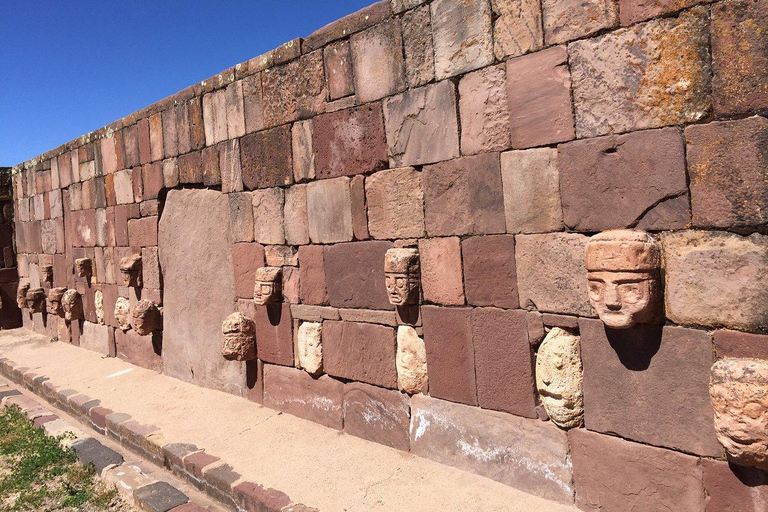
(737, 388)
(98, 304)
(83, 267)
(239, 338)
(269, 285)
(310, 346)
(411, 360)
(623, 272)
(559, 378)
(123, 313)
(55, 307)
(401, 269)
(72, 304)
(146, 317)
(46, 273)
(21, 295)
(130, 270)
(36, 300)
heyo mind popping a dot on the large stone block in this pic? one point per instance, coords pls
(349, 142)
(355, 275)
(395, 204)
(631, 176)
(659, 385)
(531, 182)
(96, 337)
(295, 213)
(551, 275)
(268, 225)
(303, 152)
(199, 288)
(565, 20)
(527, 454)
(732, 488)
(246, 258)
(634, 78)
(329, 211)
(517, 28)
(295, 90)
(484, 111)
(419, 135)
(296, 392)
(337, 58)
(274, 333)
(266, 158)
(379, 415)
(312, 289)
(144, 351)
(377, 54)
(640, 477)
(361, 352)
(716, 279)
(441, 271)
(728, 166)
(489, 271)
(241, 216)
(539, 96)
(462, 34)
(740, 344)
(464, 196)
(417, 47)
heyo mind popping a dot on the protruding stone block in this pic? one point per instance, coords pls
(54, 305)
(268, 285)
(403, 276)
(411, 361)
(123, 313)
(146, 318)
(83, 267)
(72, 304)
(559, 378)
(131, 271)
(35, 300)
(239, 338)
(310, 347)
(462, 34)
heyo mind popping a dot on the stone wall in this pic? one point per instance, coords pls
(495, 137)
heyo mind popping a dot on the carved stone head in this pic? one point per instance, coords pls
(269, 285)
(46, 273)
(98, 304)
(411, 360)
(72, 303)
(623, 272)
(310, 346)
(130, 270)
(401, 269)
(123, 313)
(83, 267)
(146, 318)
(55, 307)
(239, 338)
(21, 295)
(36, 300)
(559, 378)
(737, 388)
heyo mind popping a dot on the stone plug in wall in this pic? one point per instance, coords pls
(510, 236)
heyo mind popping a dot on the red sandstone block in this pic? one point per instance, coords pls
(359, 212)
(295, 90)
(210, 161)
(121, 225)
(190, 167)
(294, 391)
(450, 353)
(378, 61)
(251, 497)
(338, 70)
(195, 462)
(312, 289)
(170, 133)
(359, 351)
(156, 137)
(490, 278)
(99, 415)
(741, 344)
(274, 332)
(142, 351)
(142, 232)
(152, 179)
(266, 158)
(246, 258)
(131, 142)
(355, 274)
(378, 415)
(145, 155)
(732, 488)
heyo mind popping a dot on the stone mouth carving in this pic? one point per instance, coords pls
(268, 286)
(402, 274)
(239, 338)
(559, 378)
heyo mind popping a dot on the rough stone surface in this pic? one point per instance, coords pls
(551, 276)
(349, 142)
(266, 158)
(641, 477)
(634, 78)
(123, 313)
(484, 111)
(464, 196)
(633, 11)
(338, 70)
(728, 166)
(295, 224)
(309, 345)
(539, 96)
(239, 338)
(146, 318)
(303, 151)
(246, 258)
(268, 225)
(716, 279)
(517, 29)
(274, 333)
(740, 344)
(441, 271)
(96, 337)
(628, 175)
(395, 204)
(572, 19)
(138, 350)
(89, 450)
(489, 271)
(295, 90)
(529, 455)
(361, 352)
(296, 392)
(531, 190)
(377, 54)
(643, 365)
(378, 415)
(198, 271)
(421, 125)
(329, 211)
(462, 36)
(411, 361)
(417, 47)
(559, 378)
(312, 289)
(355, 275)
(733, 488)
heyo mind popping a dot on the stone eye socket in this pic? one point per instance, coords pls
(596, 290)
(630, 292)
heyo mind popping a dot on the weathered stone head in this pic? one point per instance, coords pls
(98, 304)
(21, 295)
(83, 267)
(130, 270)
(402, 273)
(146, 318)
(239, 338)
(310, 346)
(123, 313)
(269, 285)
(559, 378)
(623, 272)
(72, 304)
(36, 300)
(55, 307)
(411, 360)
(738, 389)
(46, 273)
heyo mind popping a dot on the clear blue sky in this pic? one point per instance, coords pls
(70, 67)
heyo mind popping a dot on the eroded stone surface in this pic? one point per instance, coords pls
(417, 47)
(361, 352)
(329, 211)
(531, 182)
(35, 300)
(378, 58)
(411, 361)
(354, 274)
(268, 285)
(123, 313)
(559, 378)
(54, 305)
(310, 347)
(484, 110)
(130, 271)
(379, 415)
(21, 295)
(146, 318)
(83, 267)
(72, 303)
(402, 274)
(572, 19)
(517, 30)
(239, 338)
(395, 203)
(462, 36)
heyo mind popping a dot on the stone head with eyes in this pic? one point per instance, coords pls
(268, 286)
(623, 273)
(401, 270)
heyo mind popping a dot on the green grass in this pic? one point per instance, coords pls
(38, 474)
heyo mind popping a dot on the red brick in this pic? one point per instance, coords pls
(450, 353)
(274, 333)
(312, 289)
(350, 141)
(152, 177)
(142, 232)
(490, 278)
(741, 344)
(732, 488)
(246, 258)
(358, 351)
(99, 415)
(266, 158)
(355, 274)
(296, 392)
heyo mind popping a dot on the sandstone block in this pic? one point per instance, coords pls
(361, 352)
(274, 334)
(349, 142)
(551, 276)
(378, 415)
(246, 258)
(411, 361)
(296, 392)
(295, 90)
(96, 337)
(632, 79)
(295, 214)
(464, 196)
(395, 204)
(441, 271)
(642, 477)
(309, 345)
(123, 187)
(359, 212)
(377, 54)
(355, 275)
(303, 152)
(565, 20)
(527, 454)
(714, 279)
(329, 211)
(633, 11)
(539, 97)
(266, 158)
(733, 488)
(253, 103)
(142, 232)
(462, 34)
(484, 111)
(559, 378)
(138, 350)
(417, 47)
(312, 289)
(235, 110)
(399, 6)
(489, 271)
(268, 215)
(229, 167)
(628, 175)
(355, 22)
(338, 70)
(728, 166)
(740, 344)
(190, 168)
(517, 28)
(418, 135)
(531, 182)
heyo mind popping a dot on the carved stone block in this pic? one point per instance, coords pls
(268, 286)
(123, 313)
(55, 307)
(36, 300)
(310, 347)
(83, 267)
(411, 361)
(737, 388)
(72, 304)
(239, 338)
(401, 270)
(146, 317)
(21, 295)
(98, 304)
(559, 378)
(623, 274)
(130, 271)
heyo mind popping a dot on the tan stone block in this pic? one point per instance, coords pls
(462, 35)
(531, 184)
(295, 214)
(268, 206)
(565, 20)
(517, 30)
(417, 47)
(441, 276)
(329, 210)
(303, 153)
(484, 110)
(338, 69)
(377, 54)
(395, 204)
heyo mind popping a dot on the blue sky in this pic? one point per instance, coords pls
(67, 68)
